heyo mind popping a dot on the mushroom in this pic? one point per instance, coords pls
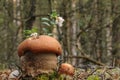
(67, 69)
(39, 55)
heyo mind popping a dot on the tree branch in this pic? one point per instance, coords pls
(87, 58)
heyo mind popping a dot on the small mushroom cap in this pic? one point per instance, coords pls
(67, 69)
(42, 44)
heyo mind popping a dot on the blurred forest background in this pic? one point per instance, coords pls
(90, 32)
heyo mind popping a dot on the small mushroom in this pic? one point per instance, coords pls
(39, 55)
(67, 69)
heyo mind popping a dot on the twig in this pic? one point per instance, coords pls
(87, 58)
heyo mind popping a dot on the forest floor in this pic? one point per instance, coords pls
(99, 73)
(95, 73)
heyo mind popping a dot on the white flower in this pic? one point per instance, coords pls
(59, 21)
(34, 35)
(14, 74)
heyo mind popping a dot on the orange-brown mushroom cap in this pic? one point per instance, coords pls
(42, 44)
(67, 69)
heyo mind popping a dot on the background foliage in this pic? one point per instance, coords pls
(91, 28)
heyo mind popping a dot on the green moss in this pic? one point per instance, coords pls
(93, 77)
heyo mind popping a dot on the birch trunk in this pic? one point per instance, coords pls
(109, 30)
(73, 30)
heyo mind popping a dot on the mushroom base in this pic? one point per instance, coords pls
(35, 64)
